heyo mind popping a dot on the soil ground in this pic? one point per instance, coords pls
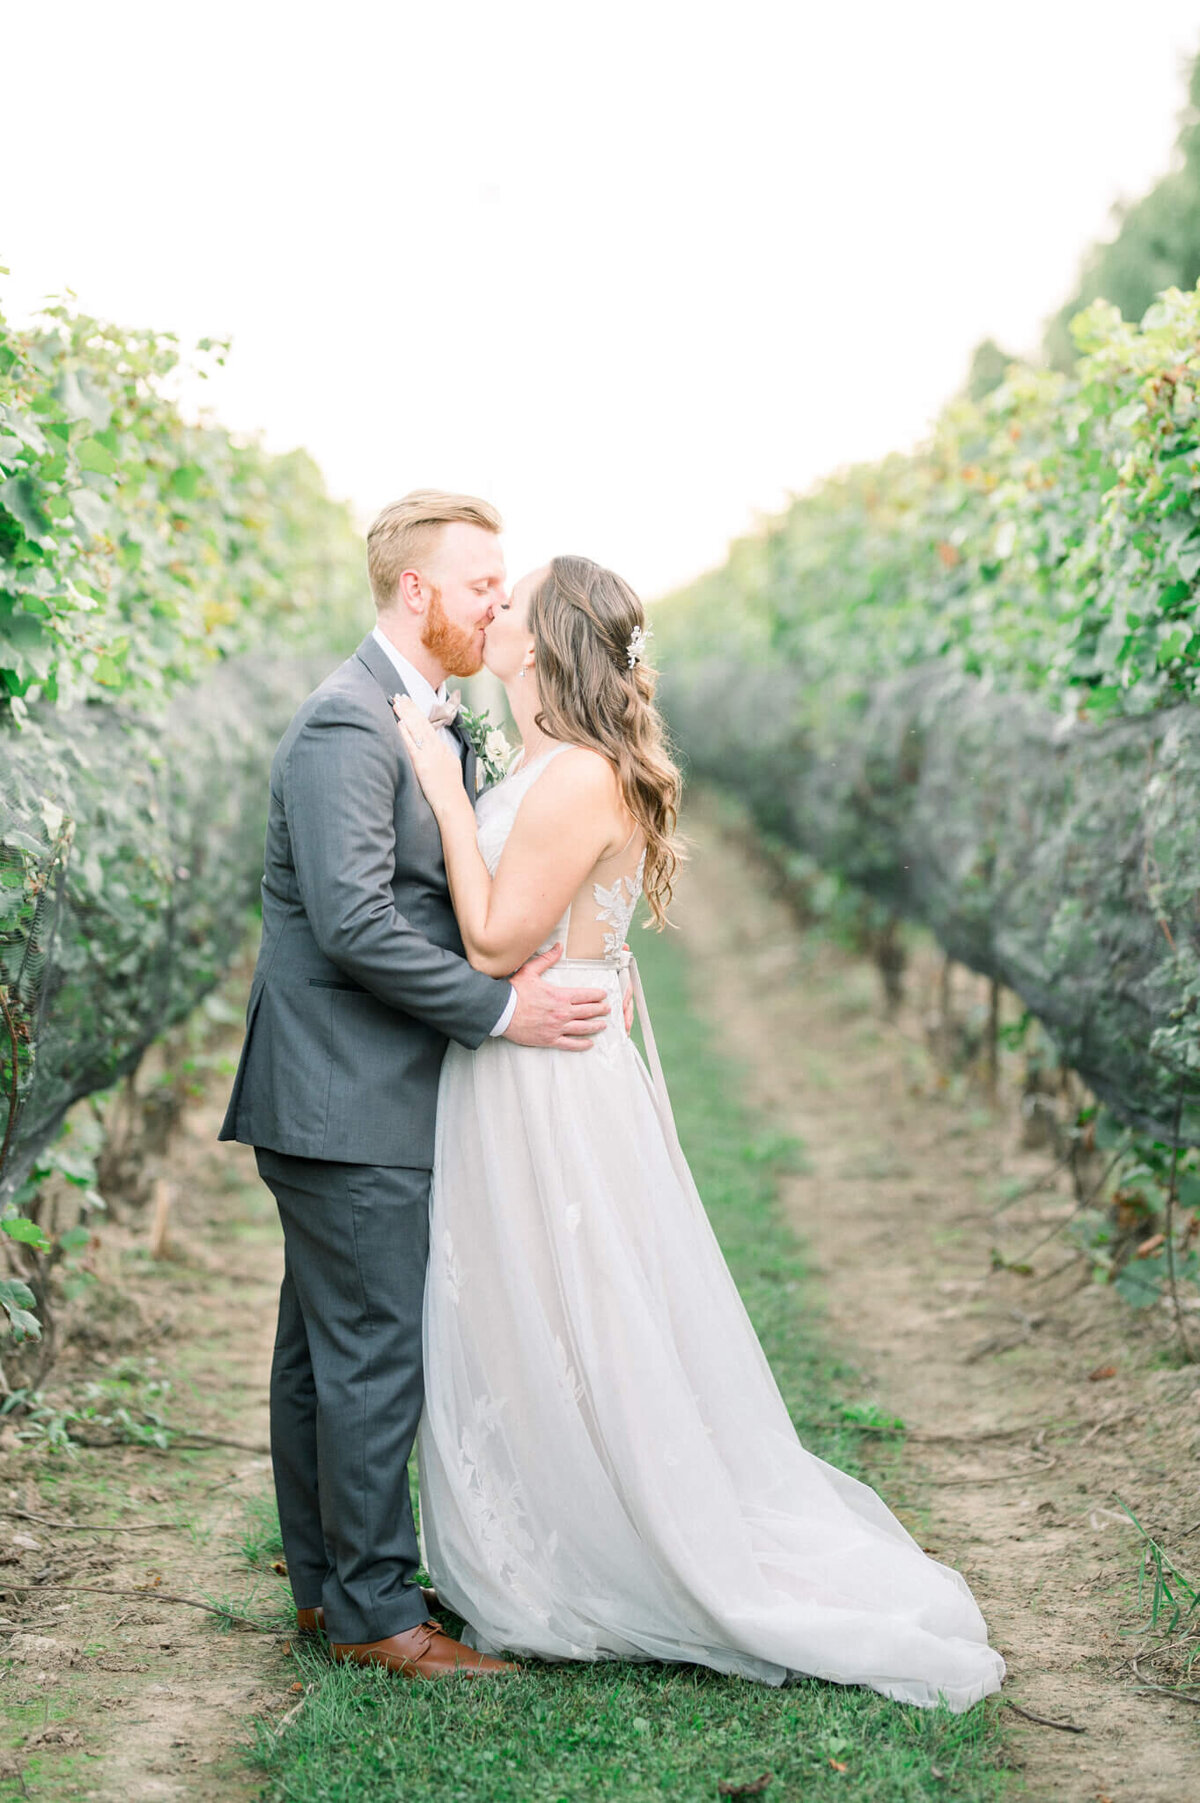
(127, 1698)
(1035, 1404)
(1016, 1455)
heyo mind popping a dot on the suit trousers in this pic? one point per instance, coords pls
(347, 1387)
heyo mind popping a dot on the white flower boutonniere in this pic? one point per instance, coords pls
(492, 750)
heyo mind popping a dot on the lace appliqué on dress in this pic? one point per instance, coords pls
(495, 1503)
(615, 906)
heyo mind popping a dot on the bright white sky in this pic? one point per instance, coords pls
(633, 271)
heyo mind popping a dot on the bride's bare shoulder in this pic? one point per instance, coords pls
(583, 769)
(577, 779)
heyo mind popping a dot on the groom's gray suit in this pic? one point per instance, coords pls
(360, 982)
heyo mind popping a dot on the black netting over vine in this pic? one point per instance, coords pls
(165, 820)
(34, 845)
(1061, 858)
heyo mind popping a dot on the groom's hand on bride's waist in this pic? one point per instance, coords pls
(545, 1015)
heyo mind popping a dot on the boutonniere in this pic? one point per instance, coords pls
(492, 750)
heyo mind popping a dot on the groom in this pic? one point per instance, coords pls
(360, 982)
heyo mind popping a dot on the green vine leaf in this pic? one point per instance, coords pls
(18, 1302)
(93, 455)
(26, 1233)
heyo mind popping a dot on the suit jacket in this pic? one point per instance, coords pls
(361, 977)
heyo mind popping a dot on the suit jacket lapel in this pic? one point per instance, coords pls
(470, 762)
(381, 667)
(390, 681)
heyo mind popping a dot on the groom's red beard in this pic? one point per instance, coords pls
(458, 650)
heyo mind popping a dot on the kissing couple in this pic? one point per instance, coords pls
(493, 1240)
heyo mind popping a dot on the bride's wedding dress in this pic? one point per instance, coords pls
(607, 1467)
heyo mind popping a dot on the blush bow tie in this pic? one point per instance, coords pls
(445, 713)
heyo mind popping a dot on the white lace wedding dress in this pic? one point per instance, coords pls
(607, 1467)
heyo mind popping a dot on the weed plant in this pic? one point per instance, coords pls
(1168, 1600)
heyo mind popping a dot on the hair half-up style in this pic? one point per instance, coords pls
(582, 618)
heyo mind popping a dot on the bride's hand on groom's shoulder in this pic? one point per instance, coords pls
(566, 1020)
(435, 765)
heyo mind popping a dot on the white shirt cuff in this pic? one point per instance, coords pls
(510, 1006)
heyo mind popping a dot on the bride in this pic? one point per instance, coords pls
(607, 1467)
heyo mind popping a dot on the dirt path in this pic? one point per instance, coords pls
(124, 1699)
(1016, 1455)
(1018, 1447)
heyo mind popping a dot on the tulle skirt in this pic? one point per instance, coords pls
(607, 1467)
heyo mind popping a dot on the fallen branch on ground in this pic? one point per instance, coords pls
(179, 1438)
(1110, 1421)
(1043, 1721)
(1181, 1696)
(987, 1433)
(150, 1592)
(182, 1439)
(1002, 1477)
(1056, 1270)
(1028, 1189)
(1007, 1342)
(281, 1724)
(87, 1527)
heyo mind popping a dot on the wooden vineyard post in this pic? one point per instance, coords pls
(993, 1041)
(945, 1003)
(1169, 1223)
(158, 1224)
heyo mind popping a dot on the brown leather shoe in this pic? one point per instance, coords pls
(423, 1652)
(312, 1621)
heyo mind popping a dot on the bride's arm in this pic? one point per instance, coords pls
(566, 822)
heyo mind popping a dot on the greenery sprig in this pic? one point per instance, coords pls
(494, 754)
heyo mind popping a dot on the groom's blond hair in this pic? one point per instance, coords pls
(405, 533)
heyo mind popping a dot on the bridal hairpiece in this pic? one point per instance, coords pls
(635, 650)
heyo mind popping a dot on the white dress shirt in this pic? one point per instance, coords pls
(424, 694)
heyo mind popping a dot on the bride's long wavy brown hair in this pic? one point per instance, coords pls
(582, 618)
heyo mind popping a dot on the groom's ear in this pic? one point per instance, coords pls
(410, 591)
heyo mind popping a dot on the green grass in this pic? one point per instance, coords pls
(615, 1731)
(261, 1541)
(566, 1734)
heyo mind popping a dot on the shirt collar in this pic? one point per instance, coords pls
(419, 687)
